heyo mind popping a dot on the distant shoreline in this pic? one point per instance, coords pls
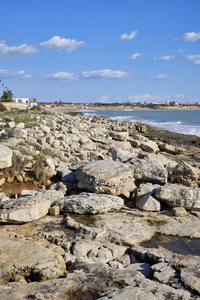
(123, 107)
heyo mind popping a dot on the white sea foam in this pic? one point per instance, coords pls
(86, 110)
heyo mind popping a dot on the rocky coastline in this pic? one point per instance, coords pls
(92, 208)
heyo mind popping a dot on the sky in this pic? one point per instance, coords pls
(101, 50)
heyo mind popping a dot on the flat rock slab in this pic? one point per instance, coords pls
(28, 209)
(179, 195)
(90, 203)
(5, 157)
(106, 177)
(25, 258)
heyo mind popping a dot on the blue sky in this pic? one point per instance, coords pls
(101, 50)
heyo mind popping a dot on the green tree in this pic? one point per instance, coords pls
(7, 96)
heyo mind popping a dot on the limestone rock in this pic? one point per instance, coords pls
(163, 272)
(179, 211)
(148, 170)
(5, 157)
(20, 125)
(28, 209)
(19, 133)
(168, 148)
(122, 155)
(144, 268)
(119, 136)
(106, 177)
(148, 203)
(146, 189)
(150, 147)
(2, 181)
(105, 253)
(179, 195)
(89, 203)
(25, 258)
(185, 174)
(191, 279)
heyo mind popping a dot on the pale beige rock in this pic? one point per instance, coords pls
(150, 147)
(54, 210)
(104, 253)
(148, 170)
(163, 272)
(106, 177)
(19, 178)
(168, 148)
(185, 174)
(90, 203)
(2, 181)
(5, 157)
(179, 211)
(28, 209)
(22, 258)
(119, 136)
(19, 133)
(148, 203)
(179, 195)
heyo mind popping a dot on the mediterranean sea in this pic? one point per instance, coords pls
(179, 121)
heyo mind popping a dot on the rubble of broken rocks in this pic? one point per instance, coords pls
(118, 217)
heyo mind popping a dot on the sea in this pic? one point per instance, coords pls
(179, 121)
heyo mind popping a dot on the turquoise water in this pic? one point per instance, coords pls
(180, 121)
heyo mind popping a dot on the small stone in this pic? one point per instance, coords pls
(10, 179)
(19, 279)
(2, 181)
(54, 210)
(179, 211)
(104, 253)
(19, 178)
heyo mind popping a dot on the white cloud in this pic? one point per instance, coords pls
(13, 74)
(126, 36)
(162, 76)
(179, 96)
(135, 55)
(62, 76)
(103, 99)
(180, 50)
(58, 43)
(194, 58)
(190, 37)
(105, 73)
(21, 50)
(165, 57)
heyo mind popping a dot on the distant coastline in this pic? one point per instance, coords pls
(124, 107)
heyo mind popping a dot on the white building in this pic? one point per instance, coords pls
(30, 102)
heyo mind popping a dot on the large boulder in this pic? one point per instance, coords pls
(177, 195)
(119, 136)
(122, 155)
(28, 209)
(148, 170)
(89, 203)
(5, 157)
(185, 174)
(106, 177)
(150, 147)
